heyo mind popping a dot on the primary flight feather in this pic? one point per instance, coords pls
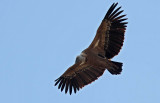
(94, 60)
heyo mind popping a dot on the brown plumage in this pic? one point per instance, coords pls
(94, 60)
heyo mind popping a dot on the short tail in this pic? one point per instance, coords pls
(116, 68)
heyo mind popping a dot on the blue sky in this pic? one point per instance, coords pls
(40, 39)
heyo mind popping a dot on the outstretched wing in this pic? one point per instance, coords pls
(77, 76)
(110, 34)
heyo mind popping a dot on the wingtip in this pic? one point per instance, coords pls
(113, 13)
(110, 10)
(116, 4)
(57, 81)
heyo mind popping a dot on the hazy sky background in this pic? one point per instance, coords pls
(40, 39)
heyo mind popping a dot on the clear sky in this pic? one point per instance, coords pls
(40, 39)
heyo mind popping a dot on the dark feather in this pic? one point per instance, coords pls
(119, 17)
(110, 10)
(60, 83)
(111, 16)
(67, 85)
(118, 13)
(74, 85)
(70, 88)
(63, 85)
(82, 78)
(57, 81)
(91, 73)
(79, 82)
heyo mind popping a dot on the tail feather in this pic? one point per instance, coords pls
(116, 68)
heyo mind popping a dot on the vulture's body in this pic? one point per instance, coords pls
(94, 60)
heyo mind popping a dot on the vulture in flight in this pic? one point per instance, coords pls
(93, 61)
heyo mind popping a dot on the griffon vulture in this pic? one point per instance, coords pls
(94, 60)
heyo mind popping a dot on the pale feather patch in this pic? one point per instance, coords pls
(96, 43)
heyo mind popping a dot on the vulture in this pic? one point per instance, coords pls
(93, 61)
